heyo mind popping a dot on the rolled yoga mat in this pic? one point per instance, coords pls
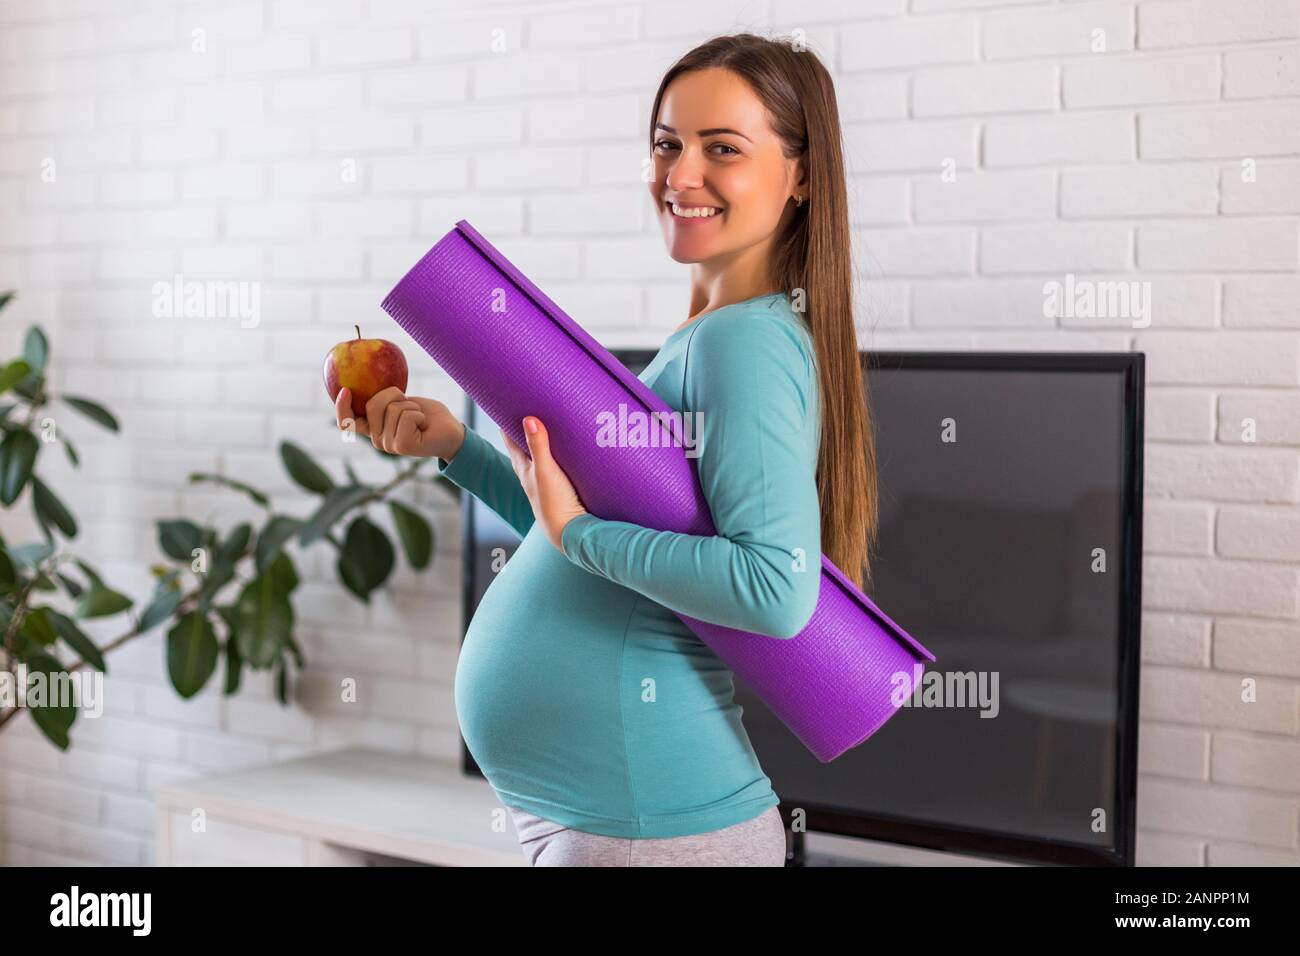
(516, 353)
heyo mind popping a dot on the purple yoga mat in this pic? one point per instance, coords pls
(516, 353)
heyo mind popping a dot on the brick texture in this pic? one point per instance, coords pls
(319, 146)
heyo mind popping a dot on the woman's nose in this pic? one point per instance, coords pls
(683, 175)
(684, 172)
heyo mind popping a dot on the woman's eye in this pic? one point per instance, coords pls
(671, 145)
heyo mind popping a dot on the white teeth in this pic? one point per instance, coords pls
(695, 212)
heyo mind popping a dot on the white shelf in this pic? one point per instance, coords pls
(336, 809)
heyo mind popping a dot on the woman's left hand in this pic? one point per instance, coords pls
(554, 499)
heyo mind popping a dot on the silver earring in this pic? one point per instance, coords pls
(799, 201)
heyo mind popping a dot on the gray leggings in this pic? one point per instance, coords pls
(756, 842)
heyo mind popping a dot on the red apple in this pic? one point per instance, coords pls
(366, 367)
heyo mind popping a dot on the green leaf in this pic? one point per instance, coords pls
(38, 626)
(283, 575)
(304, 470)
(414, 533)
(36, 348)
(8, 573)
(32, 554)
(94, 579)
(6, 298)
(46, 531)
(12, 374)
(366, 559)
(351, 472)
(51, 509)
(71, 585)
(282, 683)
(76, 639)
(31, 387)
(41, 581)
(221, 568)
(336, 504)
(54, 720)
(17, 455)
(296, 651)
(191, 653)
(72, 453)
(178, 538)
(102, 602)
(25, 647)
(230, 614)
(93, 410)
(257, 496)
(234, 664)
(216, 578)
(273, 538)
(264, 618)
(158, 610)
(236, 543)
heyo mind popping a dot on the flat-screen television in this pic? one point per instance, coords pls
(1010, 545)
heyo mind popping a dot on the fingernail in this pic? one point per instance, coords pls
(530, 425)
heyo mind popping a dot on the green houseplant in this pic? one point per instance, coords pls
(224, 597)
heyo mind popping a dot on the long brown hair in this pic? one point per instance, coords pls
(813, 255)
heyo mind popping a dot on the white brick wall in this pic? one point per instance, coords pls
(1102, 137)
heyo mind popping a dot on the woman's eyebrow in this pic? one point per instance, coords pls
(705, 132)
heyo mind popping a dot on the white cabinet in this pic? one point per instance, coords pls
(352, 807)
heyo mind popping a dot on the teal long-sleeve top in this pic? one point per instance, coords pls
(581, 695)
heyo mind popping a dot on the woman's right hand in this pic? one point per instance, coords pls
(404, 425)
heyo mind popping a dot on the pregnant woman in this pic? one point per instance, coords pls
(604, 724)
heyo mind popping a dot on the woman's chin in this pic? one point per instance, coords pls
(688, 252)
(687, 248)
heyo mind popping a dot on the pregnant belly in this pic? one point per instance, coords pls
(574, 691)
(538, 679)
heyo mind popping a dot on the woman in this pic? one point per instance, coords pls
(604, 724)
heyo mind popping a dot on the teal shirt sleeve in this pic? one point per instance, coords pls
(750, 375)
(485, 471)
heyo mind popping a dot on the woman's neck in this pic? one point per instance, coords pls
(745, 277)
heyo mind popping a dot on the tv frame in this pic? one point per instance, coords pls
(992, 844)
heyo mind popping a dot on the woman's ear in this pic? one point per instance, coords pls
(800, 178)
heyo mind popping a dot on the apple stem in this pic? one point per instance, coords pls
(358, 328)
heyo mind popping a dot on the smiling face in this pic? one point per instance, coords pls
(718, 161)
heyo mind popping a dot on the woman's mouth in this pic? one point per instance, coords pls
(693, 213)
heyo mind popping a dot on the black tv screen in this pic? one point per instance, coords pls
(1009, 543)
